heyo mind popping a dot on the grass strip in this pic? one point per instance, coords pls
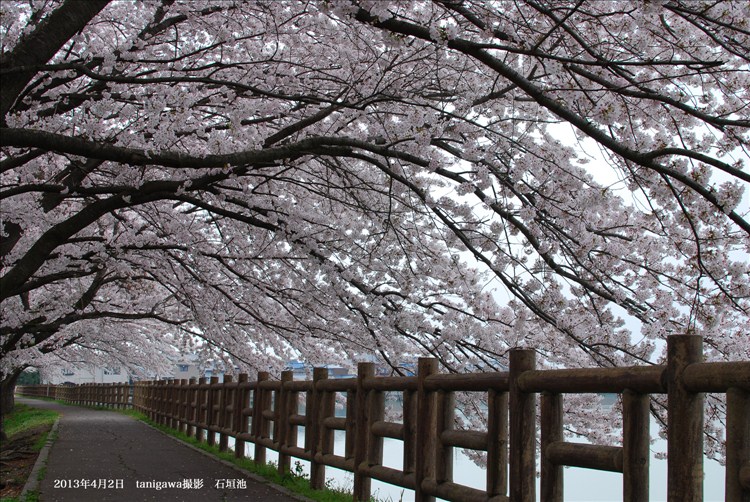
(25, 417)
(21, 419)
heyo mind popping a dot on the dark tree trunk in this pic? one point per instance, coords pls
(38, 46)
(7, 401)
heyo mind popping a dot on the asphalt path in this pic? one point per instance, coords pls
(105, 456)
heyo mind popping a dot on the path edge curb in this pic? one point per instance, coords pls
(32, 482)
(244, 472)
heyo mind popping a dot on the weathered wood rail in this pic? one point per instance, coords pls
(266, 413)
(109, 395)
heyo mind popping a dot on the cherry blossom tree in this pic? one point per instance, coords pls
(454, 178)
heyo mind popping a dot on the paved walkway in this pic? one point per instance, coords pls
(105, 456)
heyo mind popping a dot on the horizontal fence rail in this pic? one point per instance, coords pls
(268, 414)
(108, 395)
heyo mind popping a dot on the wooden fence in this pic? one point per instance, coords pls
(267, 414)
(108, 395)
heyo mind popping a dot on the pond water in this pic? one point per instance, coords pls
(584, 485)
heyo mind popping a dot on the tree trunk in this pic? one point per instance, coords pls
(7, 401)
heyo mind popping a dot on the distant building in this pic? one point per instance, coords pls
(336, 371)
(187, 368)
(92, 374)
(301, 370)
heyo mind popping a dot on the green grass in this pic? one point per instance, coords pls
(30, 497)
(22, 419)
(25, 417)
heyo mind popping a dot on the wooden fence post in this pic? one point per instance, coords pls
(159, 405)
(410, 431)
(169, 403)
(193, 415)
(260, 425)
(211, 414)
(158, 397)
(317, 410)
(241, 399)
(224, 417)
(281, 428)
(497, 447)
(185, 406)
(200, 409)
(551, 485)
(159, 402)
(445, 411)
(152, 393)
(635, 446)
(522, 424)
(148, 399)
(350, 426)
(375, 413)
(151, 399)
(362, 482)
(172, 403)
(161, 391)
(738, 445)
(166, 406)
(188, 405)
(684, 422)
(179, 406)
(426, 431)
(309, 420)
